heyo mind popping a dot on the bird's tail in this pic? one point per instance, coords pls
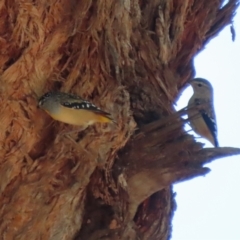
(105, 117)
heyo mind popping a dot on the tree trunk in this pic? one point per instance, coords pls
(131, 58)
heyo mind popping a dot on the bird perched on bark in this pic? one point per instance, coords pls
(72, 109)
(201, 110)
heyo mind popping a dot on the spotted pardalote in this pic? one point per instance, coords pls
(201, 110)
(72, 109)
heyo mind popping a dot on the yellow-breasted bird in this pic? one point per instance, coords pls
(72, 109)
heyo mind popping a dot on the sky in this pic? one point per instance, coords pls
(208, 208)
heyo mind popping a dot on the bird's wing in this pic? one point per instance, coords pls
(76, 102)
(211, 123)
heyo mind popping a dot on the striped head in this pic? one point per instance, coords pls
(49, 102)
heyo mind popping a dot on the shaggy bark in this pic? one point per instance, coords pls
(131, 58)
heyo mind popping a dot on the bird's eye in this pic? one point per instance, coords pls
(199, 84)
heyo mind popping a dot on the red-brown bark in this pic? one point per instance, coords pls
(131, 58)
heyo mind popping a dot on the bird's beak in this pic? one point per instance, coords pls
(189, 82)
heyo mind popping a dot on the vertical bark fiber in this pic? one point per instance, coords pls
(131, 58)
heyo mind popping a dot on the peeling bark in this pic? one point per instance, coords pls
(131, 58)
